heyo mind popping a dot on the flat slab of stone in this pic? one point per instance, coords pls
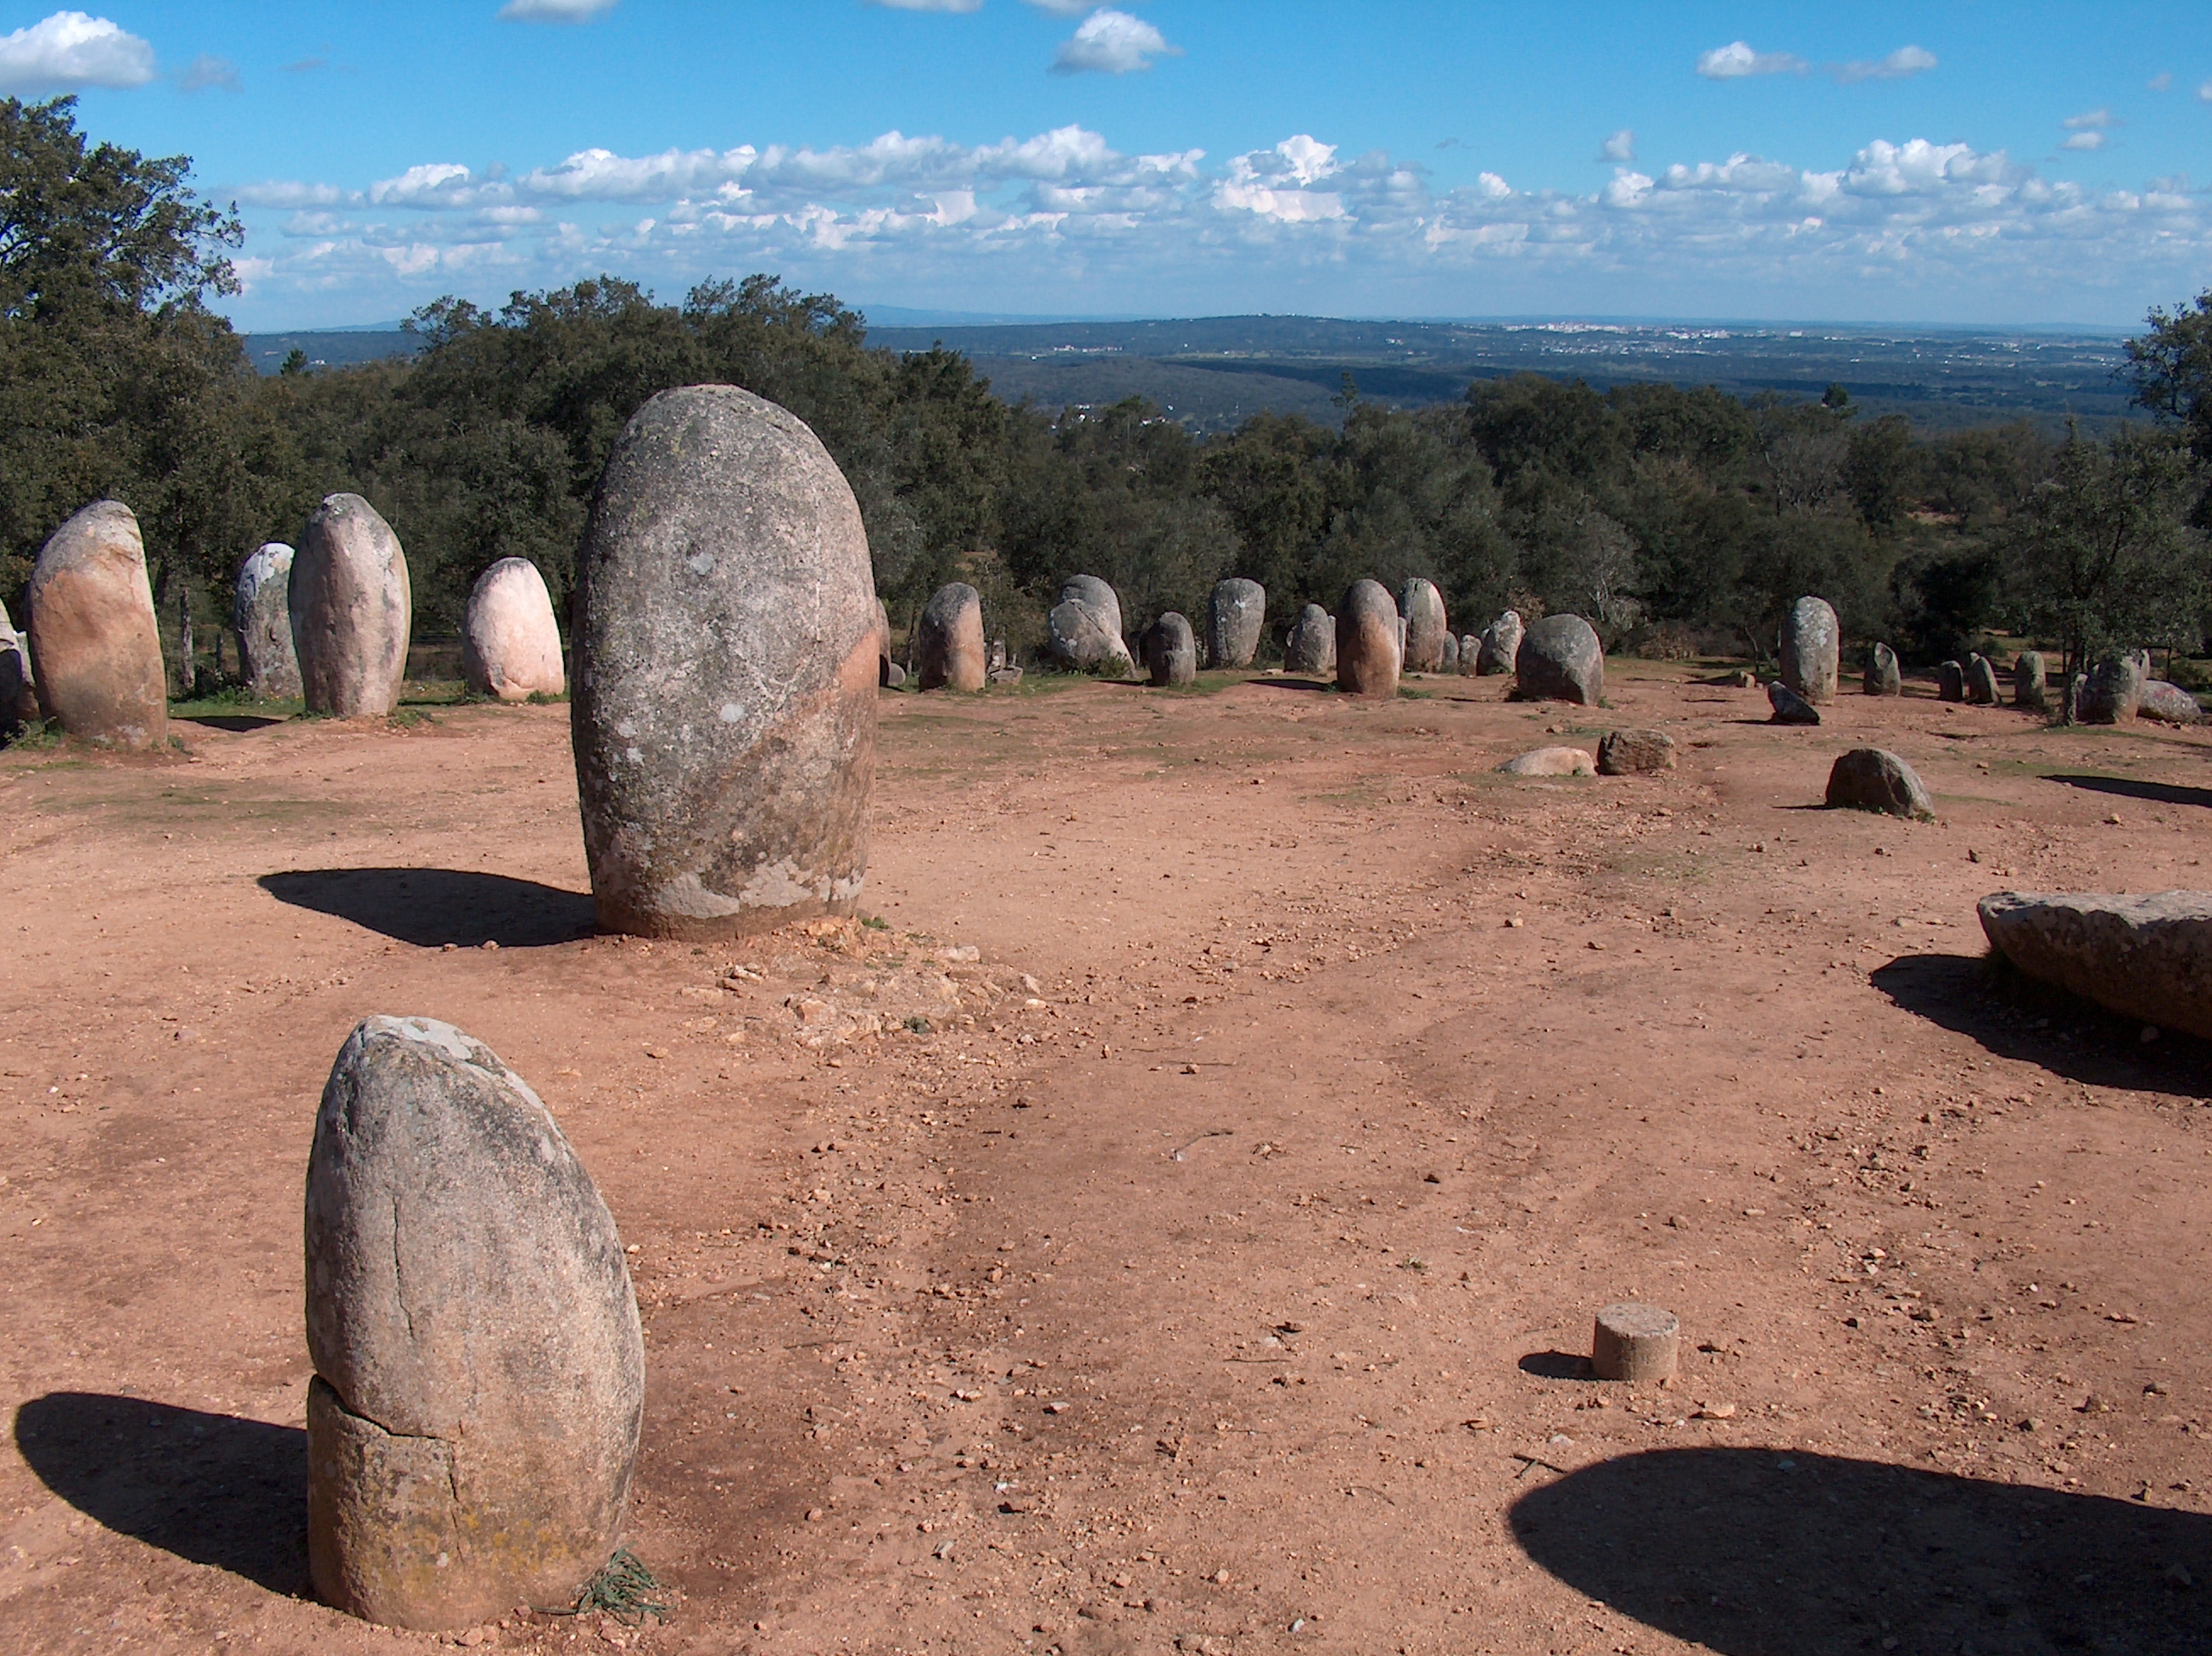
(510, 642)
(2145, 957)
(479, 1371)
(1560, 660)
(1875, 779)
(1625, 753)
(1551, 762)
(261, 612)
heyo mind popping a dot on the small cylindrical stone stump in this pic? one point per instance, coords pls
(1635, 1343)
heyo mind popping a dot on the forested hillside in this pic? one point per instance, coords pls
(1674, 518)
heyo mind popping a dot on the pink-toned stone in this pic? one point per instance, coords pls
(95, 650)
(510, 642)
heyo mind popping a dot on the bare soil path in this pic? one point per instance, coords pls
(1203, 1264)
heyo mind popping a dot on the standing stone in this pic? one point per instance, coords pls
(1624, 752)
(262, 614)
(1172, 650)
(1086, 625)
(1951, 681)
(95, 649)
(1450, 663)
(1236, 612)
(479, 1381)
(351, 611)
(2145, 957)
(1367, 660)
(1099, 594)
(1423, 607)
(19, 691)
(2028, 688)
(1875, 779)
(1560, 660)
(510, 642)
(2168, 704)
(2112, 695)
(995, 659)
(948, 643)
(1883, 677)
(1470, 655)
(1499, 650)
(1311, 646)
(1981, 681)
(724, 710)
(1789, 708)
(1810, 641)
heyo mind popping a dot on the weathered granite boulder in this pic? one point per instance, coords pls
(1236, 612)
(1875, 779)
(510, 642)
(1981, 681)
(1560, 660)
(479, 1371)
(19, 692)
(2147, 957)
(889, 675)
(1367, 662)
(1451, 661)
(2168, 704)
(1006, 675)
(1422, 608)
(1951, 681)
(1551, 762)
(1099, 594)
(1499, 648)
(1086, 628)
(724, 709)
(1811, 641)
(1311, 646)
(2113, 692)
(352, 610)
(1624, 752)
(1789, 708)
(261, 614)
(1470, 655)
(95, 650)
(1883, 677)
(2029, 690)
(948, 641)
(1172, 650)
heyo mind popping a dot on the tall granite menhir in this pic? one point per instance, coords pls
(479, 1381)
(352, 610)
(95, 650)
(262, 613)
(724, 701)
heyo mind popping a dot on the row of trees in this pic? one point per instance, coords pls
(1674, 518)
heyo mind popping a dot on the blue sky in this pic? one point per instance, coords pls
(1950, 162)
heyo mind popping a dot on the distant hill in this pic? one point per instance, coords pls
(329, 347)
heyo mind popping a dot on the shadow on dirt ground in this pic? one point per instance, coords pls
(2016, 1018)
(2159, 793)
(1791, 1553)
(211, 1489)
(432, 907)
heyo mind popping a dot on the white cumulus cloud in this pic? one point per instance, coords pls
(2205, 92)
(1737, 59)
(554, 11)
(2084, 141)
(1905, 60)
(1109, 42)
(70, 50)
(1621, 147)
(2094, 120)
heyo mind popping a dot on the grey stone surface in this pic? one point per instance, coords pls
(352, 610)
(2029, 690)
(1883, 677)
(510, 642)
(1367, 660)
(1172, 650)
(1099, 595)
(1451, 661)
(1311, 646)
(2168, 704)
(19, 694)
(1470, 655)
(96, 649)
(1236, 614)
(1875, 779)
(261, 614)
(1811, 643)
(1789, 708)
(2146, 957)
(1560, 660)
(1951, 681)
(1085, 628)
(1421, 606)
(1006, 675)
(1981, 681)
(724, 708)
(2113, 692)
(1551, 762)
(479, 1373)
(1499, 648)
(948, 641)
(1624, 752)
(890, 675)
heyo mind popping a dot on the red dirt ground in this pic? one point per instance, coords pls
(1223, 1292)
